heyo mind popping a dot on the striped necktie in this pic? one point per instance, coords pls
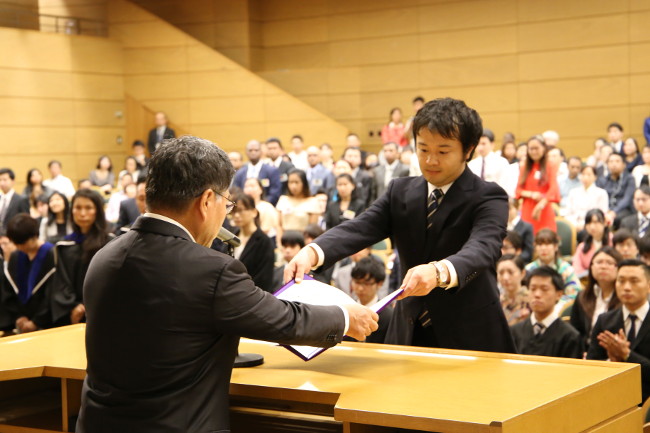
(643, 226)
(538, 329)
(434, 200)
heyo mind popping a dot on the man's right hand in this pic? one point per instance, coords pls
(300, 265)
(363, 321)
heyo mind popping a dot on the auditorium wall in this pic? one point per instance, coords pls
(59, 96)
(526, 65)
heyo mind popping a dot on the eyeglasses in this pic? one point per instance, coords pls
(231, 204)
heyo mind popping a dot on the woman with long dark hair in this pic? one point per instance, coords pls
(347, 206)
(395, 130)
(631, 154)
(599, 294)
(298, 208)
(103, 175)
(538, 187)
(597, 237)
(58, 223)
(89, 235)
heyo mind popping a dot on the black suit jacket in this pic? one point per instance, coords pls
(334, 216)
(258, 256)
(153, 138)
(468, 230)
(284, 169)
(631, 222)
(129, 212)
(560, 339)
(364, 186)
(18, 204)
(164, 316)
(640, 347)
(526, 231)
(401, 170)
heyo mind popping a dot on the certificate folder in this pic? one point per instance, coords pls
(313, 292)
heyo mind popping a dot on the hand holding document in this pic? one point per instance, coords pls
(313, 292)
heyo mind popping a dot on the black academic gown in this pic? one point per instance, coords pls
(559, 339)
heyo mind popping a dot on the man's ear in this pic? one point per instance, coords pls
(203, 203)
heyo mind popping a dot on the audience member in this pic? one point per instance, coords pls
(269, 218)
(641, 172)
(631, 154)
(545, 333)
(256, 249)
(363, 180)
(161, 132)
(601, 167)
(418, 102)
(57, 224)
(551, 138)
(25, 287)
(7, 247)
(639, 221)
(487, 164)
(268, 175)
(138, 152)
(298, 208)
(555, 157)
(525, 230)
(368, 275)
(509, 151)
(626, 243)
(275, 152)
(291, 243)
(40, 208)
(538, 187)
(342, 275)
(298, 155)
(571, 181)
(371, 161)
(57, 181)
(103, 175)
(126, 186)
(236, 159)
(644, 250)
(73, 257)
(11, 203)
(131, 208)
(619, 185)
(621, 334)
(615, 136)
(84, 184)
(595, 156)
(598, 295)
(394, 131)
(512, 244)
(34, 186)
(514, 295)
(131, 168)
(547, 249)
(392, 168)
(326, 156)
(317, 175)
(597, 237)
(347, 205)
(584, 198)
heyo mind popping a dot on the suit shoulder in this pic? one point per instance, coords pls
(567, 328)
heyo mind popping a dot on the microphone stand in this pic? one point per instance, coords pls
(244, 360)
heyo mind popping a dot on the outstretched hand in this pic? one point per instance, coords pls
(300, 265)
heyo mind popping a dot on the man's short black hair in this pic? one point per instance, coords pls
(644, 189)
(624, 263)
(313, 231)
(644, 245)
(418, 99)
(488, 134)
(615, 125)
(547, 271)
(54, 161)
(292, 238)
(274, 140)
(622, 235)
(298, 136)
(452, 119)
(137, 143)
(182, 168)
(8, 171)
(367, 268)
(615, 155)
(515, 239)
(22, 228)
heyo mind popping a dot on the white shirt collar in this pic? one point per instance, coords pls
(9, 194)
(443, 188)
(548, 321)
(640, 215)
(599, 293)
(170, 221)
(277, 161)
(372, 302)
(641, 312)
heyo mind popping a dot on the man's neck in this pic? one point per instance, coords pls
(540, 316)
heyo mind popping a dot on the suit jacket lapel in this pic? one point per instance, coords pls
(643, 330)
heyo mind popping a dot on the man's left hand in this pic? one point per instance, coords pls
(419, 281)
(616, 345)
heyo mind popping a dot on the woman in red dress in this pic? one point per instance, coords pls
(538, 187)
(394, 130)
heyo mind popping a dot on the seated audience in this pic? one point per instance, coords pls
(569, 182)
(615, 136)
(639, 221)
(131, 168)
(256, 249)
(368, 275)
(291, 242)
(103, 176)
(395, 131)
(599, 295)
(125, 191)
(347, 206)
(525, 230)
(6, 247)
(269, 218)
(74, 253)
(545, 333)
(603, 157)
(644, 250)
(34, 186)
(641, 172)
(546, 249)
(131, 208)
(138, 152)
(619, 185)
(512, 244)
(57, 181)
(342, 274)
(621, 334)
(597, 237)
(389, 170)
(326, 156)
(57, 224)
(11, 203)
(514, 296)
(25, 286)
(632, 154)
(626, 243)
(585, 198)
(298, 208)
(593, 159)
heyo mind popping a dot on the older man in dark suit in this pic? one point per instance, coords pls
(165, 312)
(11, 203)
(388, 171)
(448, 226)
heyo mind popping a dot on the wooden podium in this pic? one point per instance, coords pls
(352, 388)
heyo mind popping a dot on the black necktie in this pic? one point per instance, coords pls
(434, 199)
(632, 333)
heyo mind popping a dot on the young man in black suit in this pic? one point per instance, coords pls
(639, 222)
(11, 203)
(545, 333)
(622, 334)
(165, 312)
(448, 226)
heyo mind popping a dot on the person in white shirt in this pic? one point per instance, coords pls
(570, 182)
(298, 155)
(555, 156)
(488, 165)
(641, 173)
(583, 199)
(58, 182)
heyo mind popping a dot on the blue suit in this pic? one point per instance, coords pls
(320, 178)
(270, 178)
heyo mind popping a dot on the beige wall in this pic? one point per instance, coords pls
(202, 91)
(21, 14)
(58, 97)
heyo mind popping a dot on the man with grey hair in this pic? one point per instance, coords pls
(165, 312)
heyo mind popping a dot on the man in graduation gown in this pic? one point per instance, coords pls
(545, 333)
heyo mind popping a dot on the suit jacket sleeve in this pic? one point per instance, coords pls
(637, 358)
(242, 309)
(483, 248)
(527, 238)
(626, 200)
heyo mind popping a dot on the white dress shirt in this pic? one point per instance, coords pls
(254, 170)
(580, 201)
(601, 304)
(548, 320)
(641, 312)
(496, 167)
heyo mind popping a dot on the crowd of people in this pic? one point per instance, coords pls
(285, 198)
